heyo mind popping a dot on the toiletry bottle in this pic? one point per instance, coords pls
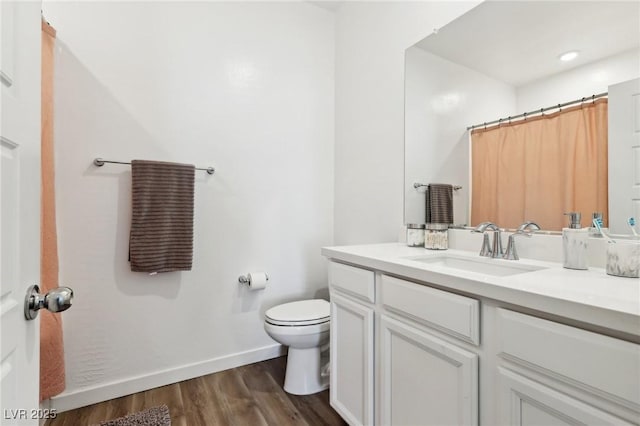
(574, 243)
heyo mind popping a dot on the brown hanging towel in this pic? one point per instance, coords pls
(161, 238)
(439, 206)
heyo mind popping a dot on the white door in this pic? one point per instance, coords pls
(351, 387)
(624, 155)
(524, 402)
(19, 209)
(425, 380)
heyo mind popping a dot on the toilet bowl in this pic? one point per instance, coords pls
(303, 326)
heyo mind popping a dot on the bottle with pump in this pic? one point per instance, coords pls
(574, 243)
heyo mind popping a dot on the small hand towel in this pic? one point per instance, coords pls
(439, 206)
(161, 238)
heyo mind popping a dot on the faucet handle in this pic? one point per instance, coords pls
(497, 243)
(487, 250)
(486, 247)
(511, 253)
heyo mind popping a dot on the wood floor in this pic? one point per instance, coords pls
(251, 395)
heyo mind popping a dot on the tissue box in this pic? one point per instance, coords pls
(623, 259)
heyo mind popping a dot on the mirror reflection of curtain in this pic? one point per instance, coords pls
(539, 168)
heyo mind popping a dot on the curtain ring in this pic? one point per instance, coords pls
(525, 115)
(559, 107)
(509, 119)
(593, 99)
(485, 125)
(542, 111)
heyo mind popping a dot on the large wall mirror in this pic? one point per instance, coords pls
(502, 59)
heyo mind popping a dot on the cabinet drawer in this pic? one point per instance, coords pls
(450, 313)
(600, 364)
(355, 281)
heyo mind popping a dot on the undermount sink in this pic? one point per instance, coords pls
(486, 266)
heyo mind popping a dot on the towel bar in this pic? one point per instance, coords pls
(417, 185)
(99, 162)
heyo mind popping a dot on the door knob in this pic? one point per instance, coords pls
(56, 300)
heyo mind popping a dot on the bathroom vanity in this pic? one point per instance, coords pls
(431, 338)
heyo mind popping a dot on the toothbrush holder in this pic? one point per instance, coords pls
(623, 258)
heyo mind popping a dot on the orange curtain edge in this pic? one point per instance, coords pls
(52, 369)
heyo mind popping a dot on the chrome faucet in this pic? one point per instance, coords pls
(534, 226)
(496, 249)
(511, 253)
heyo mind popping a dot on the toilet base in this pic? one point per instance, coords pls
(303, 372)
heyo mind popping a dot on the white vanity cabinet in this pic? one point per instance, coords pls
(412, 353)
(422, 379)
(352, 343)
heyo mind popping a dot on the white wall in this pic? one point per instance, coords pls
(442, 98)
(245, 87)
(371, 38)
(579, 82)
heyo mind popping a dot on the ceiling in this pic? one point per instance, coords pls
(520, 41)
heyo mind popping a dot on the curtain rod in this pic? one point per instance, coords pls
(538, 111)
(99, 162)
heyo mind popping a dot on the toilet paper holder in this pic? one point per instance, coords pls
(246, 279)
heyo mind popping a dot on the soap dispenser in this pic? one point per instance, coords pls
(574, 243)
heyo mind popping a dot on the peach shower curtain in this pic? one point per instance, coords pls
(52, 373)
(539, 168)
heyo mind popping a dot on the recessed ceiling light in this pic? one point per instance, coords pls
(569, 56)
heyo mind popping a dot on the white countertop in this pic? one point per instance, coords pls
(590, 297)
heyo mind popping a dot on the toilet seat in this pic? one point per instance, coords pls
(301, 313)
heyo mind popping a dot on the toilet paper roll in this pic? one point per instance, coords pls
(257, 281)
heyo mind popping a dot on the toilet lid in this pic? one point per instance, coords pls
(303, 312)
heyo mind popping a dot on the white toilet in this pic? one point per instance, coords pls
(304, 327)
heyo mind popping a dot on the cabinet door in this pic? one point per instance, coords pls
(425, 380)
(351, 387)
(523, 402)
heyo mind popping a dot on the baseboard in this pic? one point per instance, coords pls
(87, 396)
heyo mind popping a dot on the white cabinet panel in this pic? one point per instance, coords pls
(450, 313)
(351, 390)
(425, 380)
(602, 365)
(355, 281)
(524, 402)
